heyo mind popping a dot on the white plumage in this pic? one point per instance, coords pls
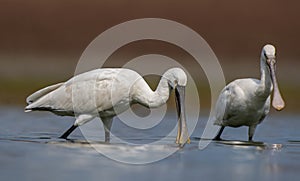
(107, 92)
(246, 102)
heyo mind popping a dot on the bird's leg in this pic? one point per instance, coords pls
(80, 120)
(107, 122)
(218, 137)
(68, 132)
(251, 132)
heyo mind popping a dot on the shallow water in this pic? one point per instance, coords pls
(30, 150)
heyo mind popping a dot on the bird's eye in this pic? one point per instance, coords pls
(265, 55)
(175, 82)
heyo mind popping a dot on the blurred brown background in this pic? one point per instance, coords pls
(41, 41)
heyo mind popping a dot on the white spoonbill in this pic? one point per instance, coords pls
(246, 102)
(107, 92)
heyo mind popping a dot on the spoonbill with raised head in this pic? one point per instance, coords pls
(246, 102)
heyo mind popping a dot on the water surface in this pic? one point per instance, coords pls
(30, 150)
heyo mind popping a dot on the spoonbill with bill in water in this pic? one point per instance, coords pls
(107, 92)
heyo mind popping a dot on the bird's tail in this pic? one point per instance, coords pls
(33, 98)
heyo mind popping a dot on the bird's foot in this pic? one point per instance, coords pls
(250, 139)
(63, 137)
(217, 139)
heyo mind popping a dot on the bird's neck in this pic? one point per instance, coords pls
(152, 99)
(265, 86)
(162, 91)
